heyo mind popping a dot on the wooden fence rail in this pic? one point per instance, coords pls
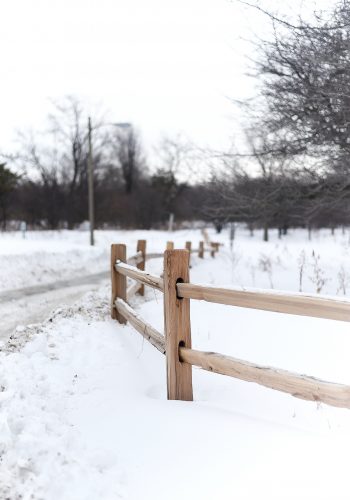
(146, 330)
(298, 304)
(132, 290)
(141, 276)
(136, 259)
(300, 386)
(176, 341)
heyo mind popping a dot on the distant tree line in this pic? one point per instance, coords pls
(129, 195)
(275, 200)
(280, 201)
(295, 172)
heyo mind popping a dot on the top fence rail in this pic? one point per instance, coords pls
(286, 303)
(297, 304)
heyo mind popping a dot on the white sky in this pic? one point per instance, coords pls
(166, 66)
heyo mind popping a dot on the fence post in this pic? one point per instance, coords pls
(212, 252)
(188, 247)
(118, 252)
(177, 325)
(170, 245)
(141, 247)
(201, 250)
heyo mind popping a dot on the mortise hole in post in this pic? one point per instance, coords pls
(181, 344)
(179, 280)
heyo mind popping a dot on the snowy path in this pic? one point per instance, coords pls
(34, 304)
(20, 293)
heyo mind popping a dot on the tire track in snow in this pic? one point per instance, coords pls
(34, 304)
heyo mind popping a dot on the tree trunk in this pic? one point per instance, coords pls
(266, 233)
(4, 215)
(232, 234)
(218, 227)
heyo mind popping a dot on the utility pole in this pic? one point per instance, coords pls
(171, 222)
(91, 186)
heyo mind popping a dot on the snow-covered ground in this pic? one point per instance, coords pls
(49, 256)
(45, 257)
(83, 409)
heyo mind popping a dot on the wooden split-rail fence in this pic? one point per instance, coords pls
(176, 341)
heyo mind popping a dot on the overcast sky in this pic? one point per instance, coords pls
(166, 66)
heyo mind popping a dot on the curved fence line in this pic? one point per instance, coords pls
(176, 341)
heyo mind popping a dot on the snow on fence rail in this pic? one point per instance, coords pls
(176, 341)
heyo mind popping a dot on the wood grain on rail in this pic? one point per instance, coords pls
(300, 386)
(298, 304)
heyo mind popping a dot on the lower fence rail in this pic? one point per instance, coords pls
(132, 290)
(300, 386)
(146, 330)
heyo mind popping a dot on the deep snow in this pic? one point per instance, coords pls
(83, 409)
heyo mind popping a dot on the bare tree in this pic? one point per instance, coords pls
(128, 151)
(58, 158)
(173, 156)
(305, 76)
